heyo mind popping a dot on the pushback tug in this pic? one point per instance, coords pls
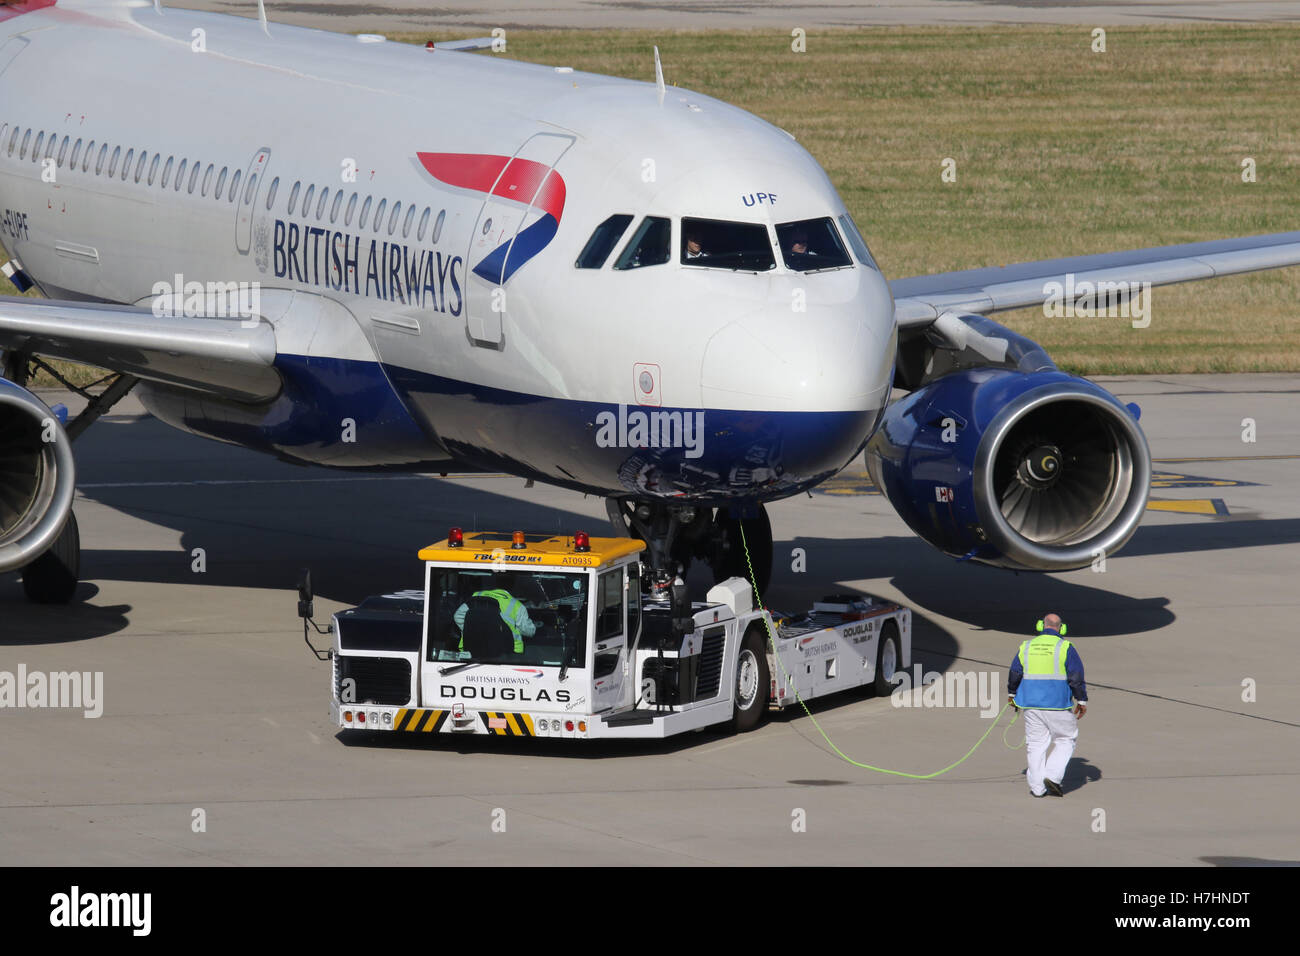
(607, 658)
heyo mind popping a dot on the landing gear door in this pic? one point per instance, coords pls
(611, 679)
(517, 220)
(250, 187)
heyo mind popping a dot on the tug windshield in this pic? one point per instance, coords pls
(536, 617)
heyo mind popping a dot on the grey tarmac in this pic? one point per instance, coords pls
(213, 703)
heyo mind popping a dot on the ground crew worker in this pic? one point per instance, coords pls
(512, 612)
(1045, 674)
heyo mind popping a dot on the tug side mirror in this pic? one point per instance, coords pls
(306, 608)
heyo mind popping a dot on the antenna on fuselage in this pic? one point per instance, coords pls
(659, 76)
(261, 15)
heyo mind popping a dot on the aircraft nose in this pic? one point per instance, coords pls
(816, 380)
(831, 357)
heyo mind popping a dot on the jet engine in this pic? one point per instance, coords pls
(1039, 471)
(37, 477)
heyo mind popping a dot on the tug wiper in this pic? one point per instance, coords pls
(457, 668)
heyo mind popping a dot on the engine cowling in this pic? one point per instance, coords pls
(37, 477)
(1041, 471)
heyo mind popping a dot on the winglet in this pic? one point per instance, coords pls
(261, 15)
(659, 76)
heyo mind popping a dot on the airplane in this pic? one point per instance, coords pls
(352, 253)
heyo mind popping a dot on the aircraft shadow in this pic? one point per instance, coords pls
(984, 597)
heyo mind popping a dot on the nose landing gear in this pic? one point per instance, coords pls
(675, 534)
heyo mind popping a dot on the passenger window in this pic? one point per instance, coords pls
(609, 605)
(36, 149)
(410, 218)
(352, 208)
(63, 151)
(76, 155)
(810, 245)
(602, 241)
(221, 182)
(306, 200)
(365, 212)
(126, 163)
(112, 163)
(234, 186)
(859, 245)
(392, 219)
(334, 209)
(153, 168)
(714, 243)
(207, 180)
(270, 193)
(379, 213)
(437, 225)
(250, 188)
(139, 164)
(320, 203)
(424, 224)
(194, 176)
(180, 173)
(167, 172)
(649, 245)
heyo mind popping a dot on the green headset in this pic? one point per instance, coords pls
(1039, 627)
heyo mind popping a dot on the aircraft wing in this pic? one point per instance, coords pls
(478, 43)
(919, 300)
(223, 356)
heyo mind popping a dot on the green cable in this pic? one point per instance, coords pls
(865, 766)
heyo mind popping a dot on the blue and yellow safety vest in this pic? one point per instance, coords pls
(1044, 685)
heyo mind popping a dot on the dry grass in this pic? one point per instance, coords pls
(1059, 152)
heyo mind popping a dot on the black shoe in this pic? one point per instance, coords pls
(1054, 788)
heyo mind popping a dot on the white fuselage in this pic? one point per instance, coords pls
(387, 322)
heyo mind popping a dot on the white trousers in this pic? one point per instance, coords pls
(1060, 729)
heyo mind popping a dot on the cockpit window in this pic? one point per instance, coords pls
(740, 246)
(602, 241)
(810, 245)
(859, 245)
(648, 246)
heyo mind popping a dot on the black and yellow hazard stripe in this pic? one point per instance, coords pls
(427, 721)
(517, 725)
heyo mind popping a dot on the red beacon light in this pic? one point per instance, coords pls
(455, 538)
(581, 542)
(429, 46)
(517, 541)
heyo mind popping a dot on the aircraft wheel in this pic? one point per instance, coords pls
(729, 557)
(53, 577)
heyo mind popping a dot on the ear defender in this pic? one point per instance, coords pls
(1063, 629)
(1039, 627)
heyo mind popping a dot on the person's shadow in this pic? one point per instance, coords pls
(1078, 773)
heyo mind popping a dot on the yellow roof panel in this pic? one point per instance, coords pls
(539, 549)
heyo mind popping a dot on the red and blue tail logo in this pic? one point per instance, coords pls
(522, 180)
